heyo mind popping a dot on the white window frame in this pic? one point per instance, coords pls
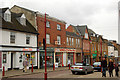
(12, 37)
(7, 17)
(59, 40)
(72, 41)
(28, 39)
(47, 38)
(76, 42)
(47, 24)
(86, 35)
(58, 27)
(67, 41)
(23, 21)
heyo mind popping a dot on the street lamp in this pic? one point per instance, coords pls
(45, 74)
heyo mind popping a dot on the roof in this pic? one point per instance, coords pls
(91, 32)
(2, 10)
(16, 25)
(72, 34)
(24, 8)
(81, 29)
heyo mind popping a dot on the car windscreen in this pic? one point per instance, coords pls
(97, 63)
(79, 64)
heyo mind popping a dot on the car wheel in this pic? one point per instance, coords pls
(85, 72)
(73, 72)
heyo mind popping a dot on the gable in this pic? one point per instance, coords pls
(7, 11)
(70, 29)
(23, 16)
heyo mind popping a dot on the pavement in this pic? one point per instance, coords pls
(12, 73)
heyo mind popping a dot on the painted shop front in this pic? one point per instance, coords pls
(50, 57)
(12, 58)
(63, 55)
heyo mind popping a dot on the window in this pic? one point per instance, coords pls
(47, 39)
(27, 39)
(72, 41)
(86, 35)
(67, 41)
(76, 43)
(92, 47)
(59, 40)
(4, 58)
(23, 21)
(48, 24)
(7, 17)
(58, 27)
(12, 37)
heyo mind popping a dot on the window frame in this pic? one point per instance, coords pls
(59, 42)
(47, 24)
(58, 27)
(12, 37)
(7, 17)
(47, 39)
(28, 37)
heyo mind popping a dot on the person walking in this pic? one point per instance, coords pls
(104, 66)
(117, 70)
(110, 68)
(25, 64)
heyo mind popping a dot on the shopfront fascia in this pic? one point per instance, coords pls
(62, 56)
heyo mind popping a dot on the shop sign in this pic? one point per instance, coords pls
(27, 49)
(65, 50)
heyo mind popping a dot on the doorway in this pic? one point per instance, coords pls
(11, 61)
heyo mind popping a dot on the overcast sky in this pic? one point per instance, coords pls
(100, 15)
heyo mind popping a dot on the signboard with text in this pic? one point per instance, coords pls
(64, 50)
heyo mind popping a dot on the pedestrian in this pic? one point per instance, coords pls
(110, 68)
(117, 70)
(69, 61)
(25, 64)
(104, 66)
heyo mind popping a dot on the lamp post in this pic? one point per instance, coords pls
(45, 74)
(101, 54)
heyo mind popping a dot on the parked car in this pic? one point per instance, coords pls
(80, 67)
(97, 66)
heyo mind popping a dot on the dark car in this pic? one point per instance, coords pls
(97, 66)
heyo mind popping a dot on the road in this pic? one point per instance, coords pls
(65, 75)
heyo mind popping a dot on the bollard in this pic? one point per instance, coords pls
(53, 67)
(69, 66)
(3, 73)
(32, 68)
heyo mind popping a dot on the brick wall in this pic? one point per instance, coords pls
(52, 31)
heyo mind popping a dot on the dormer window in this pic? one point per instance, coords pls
(86, 35)
(23, 21)
(7, 17)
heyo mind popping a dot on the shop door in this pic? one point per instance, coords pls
(11, 60)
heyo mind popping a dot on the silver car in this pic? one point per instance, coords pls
(80, 67)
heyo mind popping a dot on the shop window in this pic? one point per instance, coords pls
(58, 27)
(12, 37)
(48, 24)
(4, 58)
(59, 40)
(27, 39)
(47, 39)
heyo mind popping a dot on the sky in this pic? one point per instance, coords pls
(99, 15)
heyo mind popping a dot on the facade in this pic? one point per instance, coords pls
(19, 40)
(83, 32)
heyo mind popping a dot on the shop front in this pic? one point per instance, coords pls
(0, 60)
(49, 59)
(62, 56)
(12, 58)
